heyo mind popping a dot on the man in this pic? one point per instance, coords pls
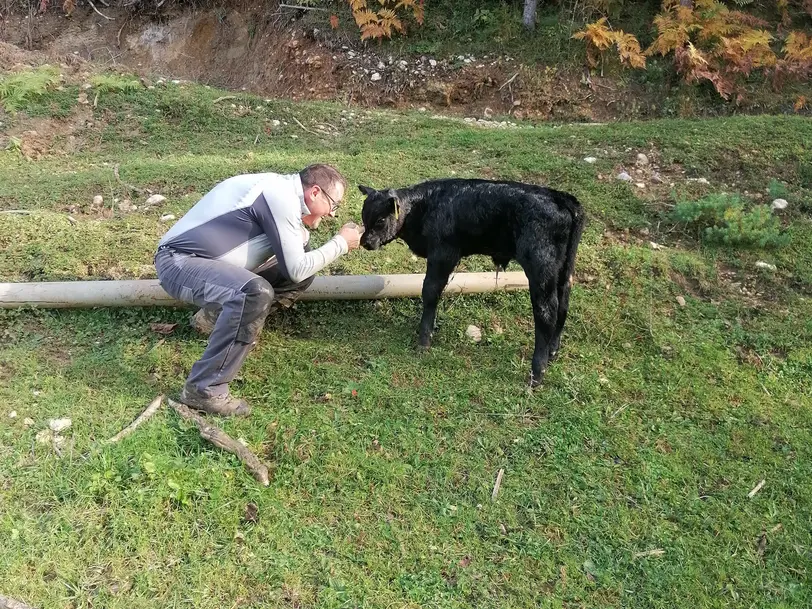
(242, 248)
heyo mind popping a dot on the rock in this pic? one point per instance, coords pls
(433, 63)
(82, 99)
(655, 246)
(681, 301)
(487, 113)
(126, 206)
(167, 217)
(474, 333)
(381, 65)
(276, 122)
(657, 178)
(155, 200)
(57, 425)
(642, 160)
(640, 185)
(98, 200)
(766, 266)
(28, 422)
(590, 160)
(624, 177)
(12, 414)
(779, 204)
(375, 77)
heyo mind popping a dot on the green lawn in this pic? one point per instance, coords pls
(648, 434)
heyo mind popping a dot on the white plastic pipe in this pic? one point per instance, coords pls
(146, 293)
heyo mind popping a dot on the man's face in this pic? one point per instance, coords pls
(321, 203)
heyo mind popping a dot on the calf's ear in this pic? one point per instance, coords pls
(393, 204)
(366, 190)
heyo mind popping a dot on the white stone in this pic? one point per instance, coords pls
(98, 200)
(57, 425)
(779, 204)
(766, 265)
(590, 160)
(155, 200)
(433, 63)
(375, 76)
(474, 333)
(12, 414)
(624, 177)
(642, 159)
(167, 217)
(681, 301)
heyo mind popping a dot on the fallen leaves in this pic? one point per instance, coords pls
(163, 328)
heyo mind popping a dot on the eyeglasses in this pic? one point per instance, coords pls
(333, 202)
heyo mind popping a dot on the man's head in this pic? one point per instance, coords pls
(323, 191)
(382, 215)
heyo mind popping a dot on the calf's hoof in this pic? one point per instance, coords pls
(535, 380)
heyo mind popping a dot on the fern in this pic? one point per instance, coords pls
(107, 83)
(599, 37)
(19, 88)
(723, 219)
(382, 24)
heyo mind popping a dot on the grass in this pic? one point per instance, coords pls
(649, 432)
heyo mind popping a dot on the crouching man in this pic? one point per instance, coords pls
(239, 252)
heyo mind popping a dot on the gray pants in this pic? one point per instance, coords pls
(245, 298)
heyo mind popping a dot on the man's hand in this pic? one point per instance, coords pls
(351, 234)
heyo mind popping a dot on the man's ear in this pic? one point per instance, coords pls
(366, 190)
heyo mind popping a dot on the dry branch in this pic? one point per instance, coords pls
(221, 439)
(498, 484)
(93, 6)
(756, 489)
(153, 407)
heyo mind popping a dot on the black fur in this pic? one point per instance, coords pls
(444, 220)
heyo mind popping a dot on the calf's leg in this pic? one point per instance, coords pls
(542, 277)
(440, 265)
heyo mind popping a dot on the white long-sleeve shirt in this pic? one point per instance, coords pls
(246, 219)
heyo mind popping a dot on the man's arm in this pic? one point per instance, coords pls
(283, 225)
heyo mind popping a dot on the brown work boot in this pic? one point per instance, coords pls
(225, 405)
(203, 321)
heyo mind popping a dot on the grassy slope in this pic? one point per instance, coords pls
(650, 430)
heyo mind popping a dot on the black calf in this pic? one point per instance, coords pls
(444, 220)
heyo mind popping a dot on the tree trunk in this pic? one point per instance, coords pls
(529, 18)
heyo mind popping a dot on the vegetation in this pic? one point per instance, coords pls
(626, 477)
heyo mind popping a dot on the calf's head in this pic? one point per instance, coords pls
(382, 216)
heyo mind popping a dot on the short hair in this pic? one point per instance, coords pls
(323, 176)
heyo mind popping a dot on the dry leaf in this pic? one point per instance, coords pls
(251, 513)
(163, 328)
(762, 545)
(334, 21)
(465, 561)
